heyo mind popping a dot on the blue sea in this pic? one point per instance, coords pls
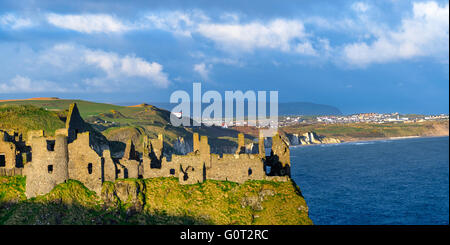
(387, 182)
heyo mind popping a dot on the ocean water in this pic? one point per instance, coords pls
(389, 182)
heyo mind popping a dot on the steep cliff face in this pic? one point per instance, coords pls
(156, 201)
(182, 146)
(310, 138)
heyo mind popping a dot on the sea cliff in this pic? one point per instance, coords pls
(310, 138)
(156, 201)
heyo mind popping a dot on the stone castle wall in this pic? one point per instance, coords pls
(85, 165)
(8, 152)
(73, 154)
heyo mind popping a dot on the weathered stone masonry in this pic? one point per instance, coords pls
(73, 153)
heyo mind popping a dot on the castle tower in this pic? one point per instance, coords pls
(261, 147)
(241, 144)
(49, 165)
(108, 167)
(146, 146)
(205, 152)
(195, 142)
(85, 164)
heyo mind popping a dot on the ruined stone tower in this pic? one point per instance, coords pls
(85, 164)
(109, 167)
(241, 144)
(261, 146)
(195, 142)
(49, 165)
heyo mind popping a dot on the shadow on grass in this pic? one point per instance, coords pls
(53, 213)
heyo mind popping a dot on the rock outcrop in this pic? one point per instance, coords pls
(310, 138)
(182, 146)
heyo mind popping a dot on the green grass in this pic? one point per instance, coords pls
(158, 201)
(23, 118)
(86, 108)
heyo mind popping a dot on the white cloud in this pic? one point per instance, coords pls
(176, 22)
(424, 34)
(23, 84)
(360, 7)
(88, 23)
(278, 34)
(233, 36)
(79, 69)
(12, 21)
(305, 48)
(129, 66)
(203, 70)
(363, 38)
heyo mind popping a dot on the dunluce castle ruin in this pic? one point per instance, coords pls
(80, 153)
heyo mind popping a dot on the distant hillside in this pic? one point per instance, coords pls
(284, 109)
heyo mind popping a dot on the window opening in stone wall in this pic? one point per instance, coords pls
(50, 169)
(50, 145)
(2, 160)
(90, 168)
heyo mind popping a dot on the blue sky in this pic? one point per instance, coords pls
(360, 56)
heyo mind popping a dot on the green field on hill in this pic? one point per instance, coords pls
(87, 109)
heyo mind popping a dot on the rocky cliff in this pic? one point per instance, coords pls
(156, 201)
(310, 138)
(182, 146)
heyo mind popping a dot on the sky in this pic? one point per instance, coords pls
(360, 56)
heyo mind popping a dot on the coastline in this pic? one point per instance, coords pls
(377, 139)
(395, 138)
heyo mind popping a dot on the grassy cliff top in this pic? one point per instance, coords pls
(155, 201)
(23, 118)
